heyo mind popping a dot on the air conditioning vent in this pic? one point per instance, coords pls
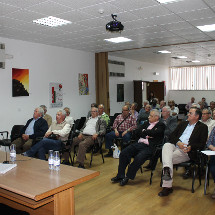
(116, 68)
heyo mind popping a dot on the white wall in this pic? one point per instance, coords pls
(46, 64)
(133, 73)
(184, 96)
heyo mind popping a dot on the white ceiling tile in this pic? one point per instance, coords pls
(176, 25)
(25, 15)
(49, 8)
(22, 3)
(108, 10)
(152, 11)
(6, 9)
(197, 14)
(186, 5)
(134, 4)
(211, 3)
(160, 20)
(206, 21)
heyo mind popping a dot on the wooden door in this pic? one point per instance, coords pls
(157, 88)
(138, 94)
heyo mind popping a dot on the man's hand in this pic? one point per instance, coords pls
(186, 149)
(116, 133)
(95, 136)
(80, 137)
(180, 145)
(25, 137)
(212, 148)
(124, 133)
(47, 134)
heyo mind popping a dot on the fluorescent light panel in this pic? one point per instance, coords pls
(182, 57)
(118, 40)
(195, 61)
(207, 28)
(51, 21)
(167, 1)
(164, 52)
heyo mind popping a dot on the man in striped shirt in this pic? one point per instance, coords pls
(122, 127)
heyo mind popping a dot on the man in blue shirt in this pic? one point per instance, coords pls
(35, 127)
(185, 140)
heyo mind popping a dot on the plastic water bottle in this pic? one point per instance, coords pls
(13, 153)
(56, 161)
(51, 160)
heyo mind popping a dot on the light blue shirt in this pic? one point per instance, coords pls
(184, 138)
(30, 129)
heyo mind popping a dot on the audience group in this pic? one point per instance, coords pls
(139, 134)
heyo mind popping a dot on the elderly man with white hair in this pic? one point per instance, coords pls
(35, 127)
(60, 128)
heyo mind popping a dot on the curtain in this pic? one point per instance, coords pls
(192, 78)
(102, 80)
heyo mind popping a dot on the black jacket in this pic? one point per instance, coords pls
(40, 128)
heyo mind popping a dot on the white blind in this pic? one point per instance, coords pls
(192, 78)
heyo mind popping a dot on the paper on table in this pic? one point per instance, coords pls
(6, 167)
(208, 152)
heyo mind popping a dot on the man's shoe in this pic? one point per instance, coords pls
(187, 174)
(124, 181)
(166, 174)
(116, 179)
(109, 154)
(81, 166)
(165, 192)
(213, 195)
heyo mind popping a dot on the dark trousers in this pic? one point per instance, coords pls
(140, 152)
(111, 136)
(212, 167)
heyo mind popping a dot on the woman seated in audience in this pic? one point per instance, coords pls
(211, 146)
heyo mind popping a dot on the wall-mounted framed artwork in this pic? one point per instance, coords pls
(20, 82)
(120, 92)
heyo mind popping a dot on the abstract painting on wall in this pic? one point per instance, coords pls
(20, 82)
(56, 95)
(83, 84)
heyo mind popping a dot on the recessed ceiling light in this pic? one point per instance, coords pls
(51, 21)
(207, 28)
(195, 61)
(182, 57)
(118, 40)
(167, 1)
(164, 52)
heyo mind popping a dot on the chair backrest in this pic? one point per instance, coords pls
(15, 132)
(80, 123)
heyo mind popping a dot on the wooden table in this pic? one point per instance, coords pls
(32, 187)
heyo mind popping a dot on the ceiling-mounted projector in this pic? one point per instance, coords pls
(114, 26)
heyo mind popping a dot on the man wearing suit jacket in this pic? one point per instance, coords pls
(184, 142)
(35, 127)
(150, 134)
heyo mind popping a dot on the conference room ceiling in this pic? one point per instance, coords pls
(151, 26)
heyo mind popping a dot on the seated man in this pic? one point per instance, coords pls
(122, 126)
(46, 116)
(211, 146)
(60, 128)
(169, 121)
(142, 117)
(142, 110)
(102, 114)
(189, 136)
(93, 128)
(174, 109)
(149, 134)
(68, 118)
(189, 104)
(35, 127)
(206, 119)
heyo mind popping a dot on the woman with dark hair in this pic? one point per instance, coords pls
(151, 97)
